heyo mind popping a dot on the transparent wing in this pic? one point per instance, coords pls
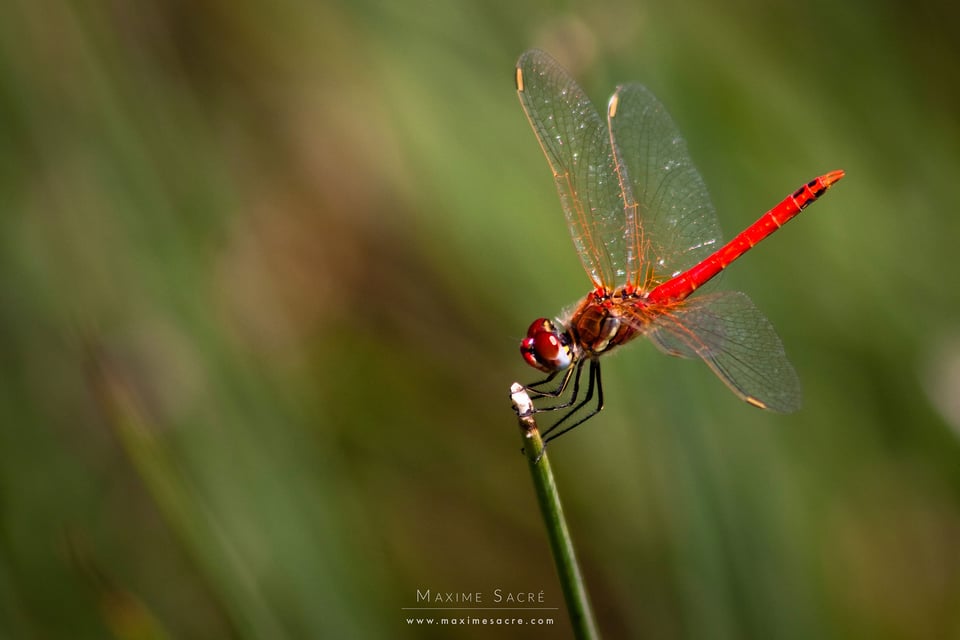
(674, 220)
(577, 145)
(733, 337)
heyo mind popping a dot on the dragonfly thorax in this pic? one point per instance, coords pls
(604, 320)
(548, 346)
(601, 321)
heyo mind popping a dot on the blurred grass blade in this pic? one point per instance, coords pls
(193, 523)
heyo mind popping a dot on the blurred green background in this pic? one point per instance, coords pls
(263, 273)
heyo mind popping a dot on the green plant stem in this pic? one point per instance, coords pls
(568, 570)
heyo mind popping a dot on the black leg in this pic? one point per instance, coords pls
(550, 394)
(594, 379)
(572, 372)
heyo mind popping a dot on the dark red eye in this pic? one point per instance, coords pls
(539, 325)
(546, 347)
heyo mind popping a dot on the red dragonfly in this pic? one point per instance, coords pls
(648, 237)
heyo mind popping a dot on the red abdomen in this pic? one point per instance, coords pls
(683, 285)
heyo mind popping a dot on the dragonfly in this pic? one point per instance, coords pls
(648, 237)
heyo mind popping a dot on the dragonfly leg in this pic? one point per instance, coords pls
(594, 382)
(556, 393)
(572, 372)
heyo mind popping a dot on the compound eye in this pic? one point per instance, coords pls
(546, 347)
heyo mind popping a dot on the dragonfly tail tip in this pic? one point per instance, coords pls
(832, 177)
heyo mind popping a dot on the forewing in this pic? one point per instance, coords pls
(577, 145)
(671, 219)
(734, 338)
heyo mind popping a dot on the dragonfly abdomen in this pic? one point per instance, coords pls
(683, 285)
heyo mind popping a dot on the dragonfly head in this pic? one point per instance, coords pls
(547, 346)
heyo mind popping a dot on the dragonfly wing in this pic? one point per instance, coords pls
(734, 338)
(671, 220)
(577, 145)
